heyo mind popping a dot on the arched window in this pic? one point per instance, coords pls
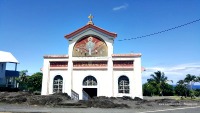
(123, 84)
(89, 81)
(57, 84)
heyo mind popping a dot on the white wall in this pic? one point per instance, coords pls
(127, 73)
(48, 76)
(135, 78)
(66, 80)
(107, 79)
(138, 77)
(104, 81)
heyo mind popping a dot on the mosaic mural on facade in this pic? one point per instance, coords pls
(90, 46)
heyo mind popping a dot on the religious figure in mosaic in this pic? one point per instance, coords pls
(90, 45)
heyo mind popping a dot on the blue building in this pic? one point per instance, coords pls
(8, 77)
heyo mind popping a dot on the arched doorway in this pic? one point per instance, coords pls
(57, 84)
(123, 84)
(89, 87)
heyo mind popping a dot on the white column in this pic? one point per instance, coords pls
(45, 78)
(68, 78)
(137, 78)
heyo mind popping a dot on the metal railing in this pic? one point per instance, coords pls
(74, 95)
(10, 73)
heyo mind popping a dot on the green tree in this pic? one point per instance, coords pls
(168, 90)
(34, 82)
(197, 92)
(198, 78)
(22, 80)
(149, 89)
(181, 88)
(158, 80)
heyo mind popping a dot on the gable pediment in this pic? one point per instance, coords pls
(90, 27)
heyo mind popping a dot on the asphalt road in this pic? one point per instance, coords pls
(177, 110)
(34, 109)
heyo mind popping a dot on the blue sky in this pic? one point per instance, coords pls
(30, 29)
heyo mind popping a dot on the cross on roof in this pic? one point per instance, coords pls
(90, 19)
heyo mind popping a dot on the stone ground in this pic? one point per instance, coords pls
(61, 103)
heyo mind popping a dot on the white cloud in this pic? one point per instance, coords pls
(120, 7)
(174, 73)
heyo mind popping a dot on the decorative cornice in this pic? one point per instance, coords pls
(89, 68)
(123, 68)
(127, 55)
(58, 68)
(56, 56)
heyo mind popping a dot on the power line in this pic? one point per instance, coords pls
(155, 33)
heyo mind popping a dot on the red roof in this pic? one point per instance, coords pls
(93, 27)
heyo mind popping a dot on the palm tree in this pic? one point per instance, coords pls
(184, 86)
(159, 79)
(181, 82)
(198, 79)
(190, 80)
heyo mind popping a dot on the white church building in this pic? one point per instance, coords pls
(91, 68)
